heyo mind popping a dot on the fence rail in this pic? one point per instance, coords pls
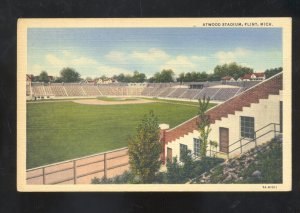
(240, 145)
(81, 170)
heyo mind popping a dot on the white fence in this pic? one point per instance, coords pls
(81, 170)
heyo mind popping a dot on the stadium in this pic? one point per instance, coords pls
(87, 98)
(217, 91)
(73, 129)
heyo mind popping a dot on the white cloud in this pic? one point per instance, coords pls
(198, 58)
(110, 70)
(53, 60)
(231, 56)
(245, 64)
(35, 70)
(83, 61)
(66, 53)
(153, 54)
(116, 56)
(180, 64)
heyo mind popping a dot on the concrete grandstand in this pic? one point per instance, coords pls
(217, 91)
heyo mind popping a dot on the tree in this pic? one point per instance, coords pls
(233, 69)
(204, 125)
(193, 77)
(128, 78)
(103, 77)
(203, 76)
(157, 77)
(151, 80)
(57, 80)
(43, 77)
(181, 77)
(138, 77)
(188, 77)
(145, 149)
(120, 77)
(69, 75)
(213, 77)
(167, 76)
(174, 171)
(270, 72)
(164, 76)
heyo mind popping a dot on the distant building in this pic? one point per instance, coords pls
(254, 77)
(50, 78)
(89, 81)
(228, 78)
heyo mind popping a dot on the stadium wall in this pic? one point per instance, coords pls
(261, 102)
(264, 113)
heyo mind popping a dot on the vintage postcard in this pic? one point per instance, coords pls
(183, 104)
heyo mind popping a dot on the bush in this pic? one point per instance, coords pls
(269, 164)
(126, 177)
(174, 172)
(190, 169)
(206, 164)
(217, 176)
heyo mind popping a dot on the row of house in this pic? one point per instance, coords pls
(247, 77)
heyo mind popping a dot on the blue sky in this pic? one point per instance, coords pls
(107, 51)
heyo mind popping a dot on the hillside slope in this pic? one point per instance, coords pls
(262, 164)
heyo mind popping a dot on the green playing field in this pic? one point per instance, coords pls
(58, 131)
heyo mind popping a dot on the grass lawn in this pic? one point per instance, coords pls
(191, 103)
(58, 131)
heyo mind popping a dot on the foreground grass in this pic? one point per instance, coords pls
(59, 131)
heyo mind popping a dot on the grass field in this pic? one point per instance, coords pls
(176, 101)
(58, 131)
(116, 99)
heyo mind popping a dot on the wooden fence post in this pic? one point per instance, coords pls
(74, 171)
(105, 166)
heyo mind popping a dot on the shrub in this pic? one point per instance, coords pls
(126, 177)
(190, 169)
(174, 172)
(269, 164)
